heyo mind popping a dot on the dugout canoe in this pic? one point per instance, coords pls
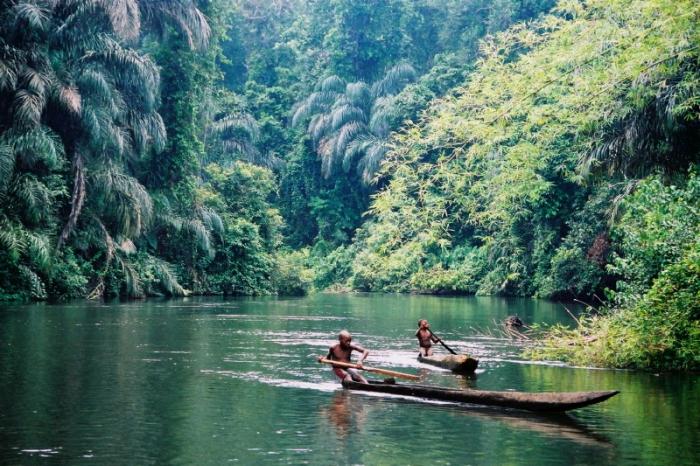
(460, 363)
(548, 402)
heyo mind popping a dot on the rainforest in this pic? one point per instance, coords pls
(528, 148)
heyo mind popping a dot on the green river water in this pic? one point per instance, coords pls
(214, 381)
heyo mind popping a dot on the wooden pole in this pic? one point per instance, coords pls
(442, 342)
(347, 365)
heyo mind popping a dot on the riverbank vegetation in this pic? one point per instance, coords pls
(510, 147)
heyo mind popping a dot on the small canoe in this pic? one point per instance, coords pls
(460, 363)
(539, 402)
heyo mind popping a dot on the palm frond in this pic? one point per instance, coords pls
(326, 146)
(346, 114)
(213, 221)
(237, 126)
(68, 98)
(183, 14)
(315, 103)
(7, 165)
(34, 80)
(394, 80)
(34, 196)
(345, 136)
(116, 138)
(200, 233)
(319, 126)
(355, 150)
(13, 239)
(341, 101)
(78, 13)
(359, 94)
(124, 16)
(30, 15)
(34, 146)
(351, 121)
(325, 152)
(129, 69)
(8, 76)
(28, 107)
(92, 124)
(374, 154)
(167, 278)
(148, 129)
(333, 84)
(126, 201)
(163, 216)
(39, 251)
(243, 148)
(133, 285)
(94, 83)
(383, 111)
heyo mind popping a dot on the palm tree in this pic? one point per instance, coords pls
(230, 134)
(349, 122)
(74, 92)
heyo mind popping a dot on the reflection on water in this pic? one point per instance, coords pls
(555, 426)
(212, 381)
(345, 413)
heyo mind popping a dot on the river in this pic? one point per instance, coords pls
(216, 381)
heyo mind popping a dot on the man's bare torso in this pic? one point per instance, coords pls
(338, 353)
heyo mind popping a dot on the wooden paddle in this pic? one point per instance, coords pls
(347, 365)
(442, 342)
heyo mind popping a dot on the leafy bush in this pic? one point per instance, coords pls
(661, 330)
(657, 225)
(332, 267)
(293, 275)
(69, 276)
(655, 322)
(244, 262)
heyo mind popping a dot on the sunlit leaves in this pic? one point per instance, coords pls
(600, 86)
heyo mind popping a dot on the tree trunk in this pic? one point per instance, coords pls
(77, 200)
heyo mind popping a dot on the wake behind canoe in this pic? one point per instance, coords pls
(539, 402)
(459, 363)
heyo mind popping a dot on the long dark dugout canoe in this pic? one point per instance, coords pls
(540, 402)
(459, 363)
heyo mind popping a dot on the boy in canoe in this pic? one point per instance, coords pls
(342, 351)
(425, 338)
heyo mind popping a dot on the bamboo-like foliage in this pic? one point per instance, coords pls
(349, 122)
(599, 87)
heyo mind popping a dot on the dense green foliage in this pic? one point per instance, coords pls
(510, 186)
(656, 323)
(494, 193)
(103, 132)
(512, 147)
(281, 51)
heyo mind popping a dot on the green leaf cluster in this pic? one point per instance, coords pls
(654, 321)
(556, 118)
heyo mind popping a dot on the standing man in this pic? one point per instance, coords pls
(342, 351)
